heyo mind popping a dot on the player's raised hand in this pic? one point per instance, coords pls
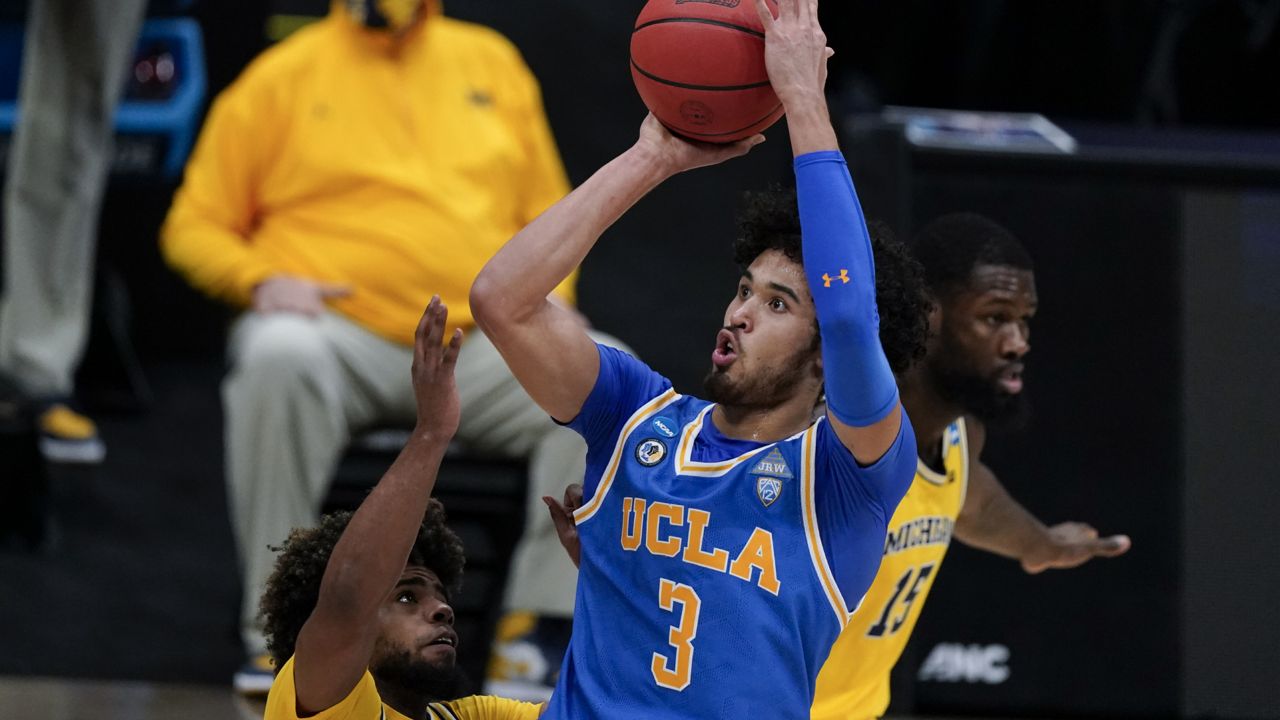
(1074, 544)
(795, 50)
(434, 388)
(676, 155)
(562, 518)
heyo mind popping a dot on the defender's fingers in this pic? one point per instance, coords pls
(573, 497)
(452, 349)
(560, 517)
(1112, 546)
(424, 329)
(435, 329)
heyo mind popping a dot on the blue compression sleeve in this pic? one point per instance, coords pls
(841, 269)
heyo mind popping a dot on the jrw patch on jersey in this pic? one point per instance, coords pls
(769, 472)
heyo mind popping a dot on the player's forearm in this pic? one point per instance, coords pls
(809, 123)
(517, 280)
(992, 520)
(839, 265)
(371, 554)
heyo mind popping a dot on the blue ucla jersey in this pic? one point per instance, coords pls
(716, 573)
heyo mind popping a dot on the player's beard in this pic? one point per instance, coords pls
(768, 388)
(404, 672)
(979, 396)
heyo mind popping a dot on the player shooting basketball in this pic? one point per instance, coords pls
(983, 284)
(726, 541)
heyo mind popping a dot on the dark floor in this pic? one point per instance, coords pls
(137, 578)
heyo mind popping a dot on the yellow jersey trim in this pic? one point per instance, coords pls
(686, 465)
(586, 512)
(964, 461)
(936, 478)
(820, 566)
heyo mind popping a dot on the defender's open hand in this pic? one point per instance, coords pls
(1074, 544)
(562, 517)
(433, 364)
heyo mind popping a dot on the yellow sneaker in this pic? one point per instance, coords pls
(66, 436)
(528, 650)
(254, 678)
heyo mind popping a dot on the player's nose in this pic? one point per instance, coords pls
(1015, 343)
(742, 316)
(439, 611)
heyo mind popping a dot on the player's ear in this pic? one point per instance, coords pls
(935, 317)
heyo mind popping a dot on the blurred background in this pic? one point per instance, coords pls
(1154, 371)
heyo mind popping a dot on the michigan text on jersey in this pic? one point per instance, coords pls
(921, 531)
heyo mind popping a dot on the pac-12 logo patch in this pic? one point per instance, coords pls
(665, 426)
(768, 489)
(650, 452)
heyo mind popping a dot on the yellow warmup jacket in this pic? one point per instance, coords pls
(398, 171)
(364, 703)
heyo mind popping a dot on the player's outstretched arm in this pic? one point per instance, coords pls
(862, 395)
(335, 644)
(545, 346)
(992, 520)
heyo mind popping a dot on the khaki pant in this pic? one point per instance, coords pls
(73, 69)
(300, 387)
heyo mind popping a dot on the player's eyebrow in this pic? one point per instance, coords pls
(784, 289)
(416, 581)
(777, 287)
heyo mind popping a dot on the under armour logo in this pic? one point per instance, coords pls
(842, 277)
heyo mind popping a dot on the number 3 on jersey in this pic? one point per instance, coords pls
(882, 624)
(675, 674)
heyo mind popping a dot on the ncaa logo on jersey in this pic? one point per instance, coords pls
(665, 426)
(650, 452)
(768, 489)
(953, 434)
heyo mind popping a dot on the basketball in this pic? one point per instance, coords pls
(699, 67)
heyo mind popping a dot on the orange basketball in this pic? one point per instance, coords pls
(699, 67)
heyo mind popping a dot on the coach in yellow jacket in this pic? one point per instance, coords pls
(371, 160)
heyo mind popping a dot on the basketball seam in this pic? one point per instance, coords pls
(703, 21)
(689, 86)
(759, 120)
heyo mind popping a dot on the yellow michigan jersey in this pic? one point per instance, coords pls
(364, 703)
(854, 681)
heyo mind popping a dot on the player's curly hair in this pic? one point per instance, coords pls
(770, 220)
(294, 586)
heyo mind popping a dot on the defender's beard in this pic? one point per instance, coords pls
(432, 681)
(979, 396)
